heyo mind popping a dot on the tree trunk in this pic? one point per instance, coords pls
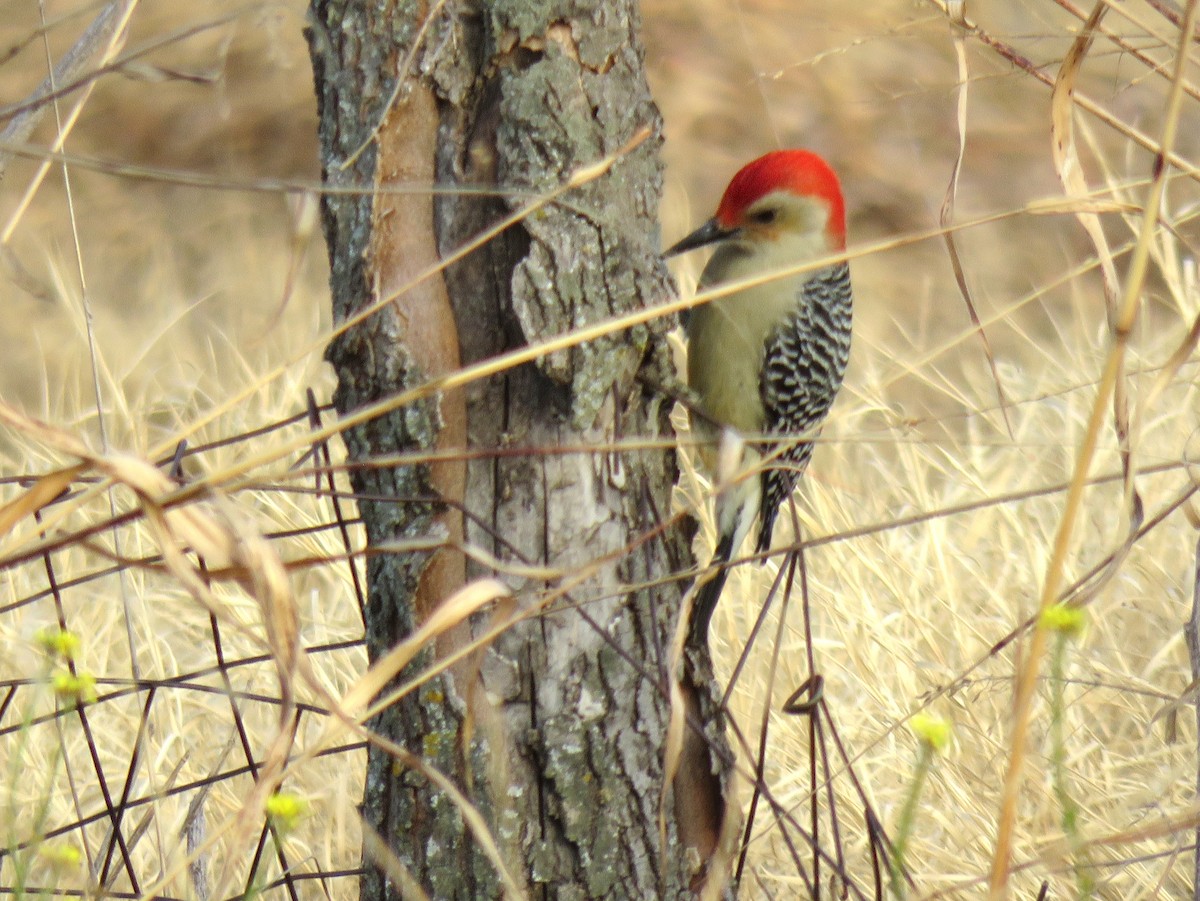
(558, 735)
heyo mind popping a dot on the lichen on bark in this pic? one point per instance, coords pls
(569, 105)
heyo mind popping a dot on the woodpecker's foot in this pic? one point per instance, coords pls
(668, 386)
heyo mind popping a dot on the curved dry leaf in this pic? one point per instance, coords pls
(677, 721)
(1066, 154)
(190, 524)
(264, 577)
(44, 491)
(451, 612)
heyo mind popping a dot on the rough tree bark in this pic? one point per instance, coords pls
(559, 737)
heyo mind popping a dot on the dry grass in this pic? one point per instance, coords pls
(931, 527)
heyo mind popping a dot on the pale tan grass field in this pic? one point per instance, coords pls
(933, 526)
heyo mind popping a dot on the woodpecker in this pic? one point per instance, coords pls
(767, 361)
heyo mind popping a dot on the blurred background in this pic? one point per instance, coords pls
(934, 509)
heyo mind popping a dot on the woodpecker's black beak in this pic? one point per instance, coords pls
(709, 233)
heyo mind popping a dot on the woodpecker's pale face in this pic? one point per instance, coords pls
(782, 208)
(782, 229)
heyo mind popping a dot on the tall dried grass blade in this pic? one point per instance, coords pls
(377, 851)
(469, 812)
(946, 219)
(1069, 166)
(1126, 316)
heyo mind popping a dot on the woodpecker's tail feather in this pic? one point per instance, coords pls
(769, 511)
(710, 591)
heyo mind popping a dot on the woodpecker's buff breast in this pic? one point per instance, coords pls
(767, 360)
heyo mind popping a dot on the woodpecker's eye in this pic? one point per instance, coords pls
(764, 217)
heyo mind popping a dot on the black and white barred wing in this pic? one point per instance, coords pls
(805, 361)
